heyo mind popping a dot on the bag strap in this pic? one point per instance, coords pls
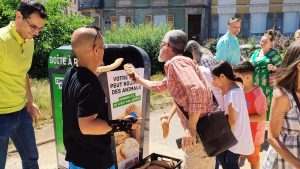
(296, 99)
(181, 109)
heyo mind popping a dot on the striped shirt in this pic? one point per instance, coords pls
(187, 85)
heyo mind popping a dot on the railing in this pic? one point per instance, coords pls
(87, 4)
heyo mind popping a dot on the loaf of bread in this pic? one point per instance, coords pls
(155, 167)
(120, 137)
(163, 163)
(117, 63)
(165, 127)
(120, 155)
(131, 147)
(145, 166)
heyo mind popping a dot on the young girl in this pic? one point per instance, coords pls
(236, 109)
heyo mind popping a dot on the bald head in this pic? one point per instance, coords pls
(87, 45)
(82, 41)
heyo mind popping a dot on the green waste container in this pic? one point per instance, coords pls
(123, 97)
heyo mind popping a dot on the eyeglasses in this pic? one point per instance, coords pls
(33, 27)
(98, 31)
(162, 44)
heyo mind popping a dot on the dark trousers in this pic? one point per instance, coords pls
(229, 160)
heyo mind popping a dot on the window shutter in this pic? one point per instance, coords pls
(113, 20)
(170, 20)
(148, 19)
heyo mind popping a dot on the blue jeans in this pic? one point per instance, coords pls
(228, 160)
(18, 126)
(73, 166)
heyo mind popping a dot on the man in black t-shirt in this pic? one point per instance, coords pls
(86, 133)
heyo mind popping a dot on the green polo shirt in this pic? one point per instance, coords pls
(15, 61)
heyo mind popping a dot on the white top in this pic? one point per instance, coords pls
(241, 130)
(216, 91)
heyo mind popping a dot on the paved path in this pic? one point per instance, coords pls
(47, 152)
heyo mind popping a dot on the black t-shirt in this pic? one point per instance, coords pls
(82, 96)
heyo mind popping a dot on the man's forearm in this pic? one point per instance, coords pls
(28, 90)
(146, 83)
(192, 122)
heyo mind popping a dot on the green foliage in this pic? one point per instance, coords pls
(56, 33)
(211, 45)
(7, 11)
(41, 93)
(148, 37)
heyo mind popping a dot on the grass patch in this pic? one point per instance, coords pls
(41, 93)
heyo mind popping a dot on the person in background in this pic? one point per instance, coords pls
(17, 108)
(236, 109)
(228, 48)
(284, 125)
(266, 61)
(257, 108)
(297, 35)
(86, 132)
(201, 55)
(183, 77)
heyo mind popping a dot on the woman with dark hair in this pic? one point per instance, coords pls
(265, 60)
(236, 108)
(284, 126)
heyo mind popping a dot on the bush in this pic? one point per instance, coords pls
(211, 44)
(148, 37)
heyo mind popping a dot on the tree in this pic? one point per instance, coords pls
(57, 31)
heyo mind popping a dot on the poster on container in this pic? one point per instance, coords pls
(126, 99)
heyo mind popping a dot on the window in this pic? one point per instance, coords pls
(123, 20)
(159, 20)
(170, 20)
(245, 27)
(275, 20)
(291, 22)
(223, 19)
(258, 24)
(214, 25)
(148, 19)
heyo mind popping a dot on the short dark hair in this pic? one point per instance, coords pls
(28, 8)
(225, 68)
(244, 67)
(234, 19)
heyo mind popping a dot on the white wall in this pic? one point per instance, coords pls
(290, 22)
(223, 19)
(258, 22)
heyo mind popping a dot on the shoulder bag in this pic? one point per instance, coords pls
(214, 131)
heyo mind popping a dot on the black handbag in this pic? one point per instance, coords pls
(215, 132)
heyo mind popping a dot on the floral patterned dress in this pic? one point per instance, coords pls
(261, 74)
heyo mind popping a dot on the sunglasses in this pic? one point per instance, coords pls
(98, 32)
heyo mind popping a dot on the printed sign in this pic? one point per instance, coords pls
(126, 98)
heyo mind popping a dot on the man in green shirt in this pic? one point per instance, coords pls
(17, 108)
